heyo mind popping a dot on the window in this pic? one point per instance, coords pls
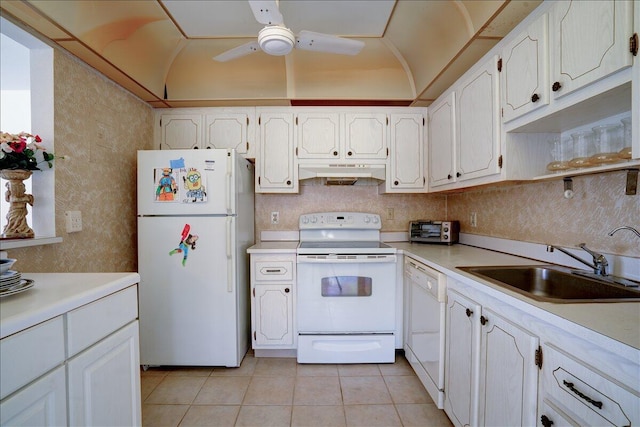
(32, 97)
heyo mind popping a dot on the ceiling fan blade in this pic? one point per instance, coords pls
(308, 40)
(237, 52)
(266, 12)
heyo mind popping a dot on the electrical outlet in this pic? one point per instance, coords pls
(275, 217)
(73, 221)
(474, 219)
(390, 213)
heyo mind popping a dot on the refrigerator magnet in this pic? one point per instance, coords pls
(187, 241)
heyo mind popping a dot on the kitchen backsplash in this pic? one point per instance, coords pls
(533, 212)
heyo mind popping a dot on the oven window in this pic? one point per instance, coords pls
(346, 286)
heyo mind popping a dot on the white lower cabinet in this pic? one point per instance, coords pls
(42, 403)
(81, 368)
(272, 301)
(583, 395)
(491, 376)
(104, 382)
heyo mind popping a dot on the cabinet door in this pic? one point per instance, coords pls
(478, 145)
(366, 136)
(277, 169)
(273, 315)
(180, 131)
(104, 382)
(442, 142)
(406, 171)
(590, 41)
(524, 76)
(462, 359)
(318, 135)
(508, 373)
(227, 130)
(42, 403)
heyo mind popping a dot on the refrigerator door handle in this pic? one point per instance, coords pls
(229, 257)
(228, 177)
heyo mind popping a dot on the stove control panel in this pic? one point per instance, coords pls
(330, 220)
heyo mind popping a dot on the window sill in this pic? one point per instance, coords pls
(23, 243)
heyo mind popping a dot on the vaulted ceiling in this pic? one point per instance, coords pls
(162, 50)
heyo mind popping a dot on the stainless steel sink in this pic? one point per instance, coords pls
(552, 283)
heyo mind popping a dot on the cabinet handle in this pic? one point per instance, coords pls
(570, 386)
(286, 290)
(469, 312)
(545, 421)
(633, 44)
(395, 182)
(556, 86)
(195, 148)
(335, 153)
(483, 320)
(349, 153)
(535, 97)
(209, 148)
(458, 174)
(288, 182)
(449, 176)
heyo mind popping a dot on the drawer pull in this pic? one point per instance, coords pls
(468, 312)
(545, 421)
(570, 386)
(273, 270)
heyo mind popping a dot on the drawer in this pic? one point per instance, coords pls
(580, 390)
(92, 322)
(271, 271)
(29, 354)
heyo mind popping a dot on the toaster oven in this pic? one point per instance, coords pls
(430, 231)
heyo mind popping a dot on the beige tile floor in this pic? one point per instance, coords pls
(280, 392)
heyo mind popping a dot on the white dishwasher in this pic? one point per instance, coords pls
(425, 347)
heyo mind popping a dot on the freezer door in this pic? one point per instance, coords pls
(189, 298)
(186, 182)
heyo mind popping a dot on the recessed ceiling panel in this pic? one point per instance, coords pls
(233, 18)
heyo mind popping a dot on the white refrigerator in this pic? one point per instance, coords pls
(195, 223)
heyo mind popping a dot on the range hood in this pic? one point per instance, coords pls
(341, 173)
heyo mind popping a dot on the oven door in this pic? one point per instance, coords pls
(346, 294)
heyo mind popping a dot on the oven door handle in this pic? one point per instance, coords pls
(333, 259)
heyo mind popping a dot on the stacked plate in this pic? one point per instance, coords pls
(11, 282)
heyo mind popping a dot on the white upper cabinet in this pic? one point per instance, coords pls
(319, 135)
(478, 123)
(366, 135)
(524, 80)
(276, 166)
(208, 128)
(589, 41)
(230, 130)
(406, 171)
(441, 151)
(180, 131)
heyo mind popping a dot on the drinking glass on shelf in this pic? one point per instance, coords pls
(561, 152)
(608, 142)
(583, 149)
(625, 152)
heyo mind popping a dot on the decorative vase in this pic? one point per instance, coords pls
(17, 227)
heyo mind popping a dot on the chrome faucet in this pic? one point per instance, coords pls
(599, 265)
(624, 227)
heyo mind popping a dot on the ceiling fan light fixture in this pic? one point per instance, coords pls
(276, 40)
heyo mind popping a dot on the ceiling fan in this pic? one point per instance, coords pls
(276, 39)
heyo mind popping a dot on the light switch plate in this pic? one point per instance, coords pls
(73, 221)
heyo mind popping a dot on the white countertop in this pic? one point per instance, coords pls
(619, 321)
(54, 294)
(274, 247)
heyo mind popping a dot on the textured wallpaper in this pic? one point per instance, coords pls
(538, 213)
(100, 126)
